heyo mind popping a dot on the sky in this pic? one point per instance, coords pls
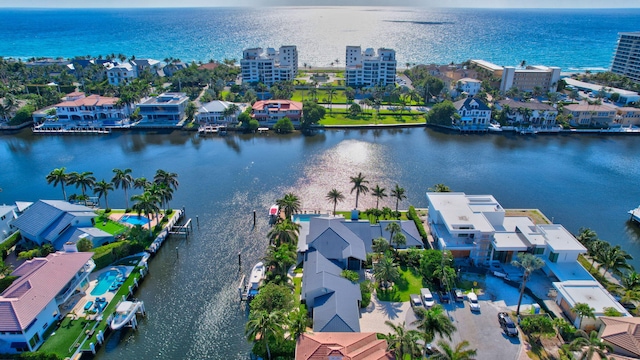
(426, 3)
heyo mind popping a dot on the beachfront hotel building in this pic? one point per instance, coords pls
(626, 59)
(269, 66)
(370, 68)
(528, 79)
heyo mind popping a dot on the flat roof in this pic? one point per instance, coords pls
(488, 65)
(596, 87)
(589, 292)
(459, 209)
(508, 241)
(569, 271)
(559, 239)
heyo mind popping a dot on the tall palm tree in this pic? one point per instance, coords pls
(162, 191)
(615, 259)
(596, 250)
(590, 345)
(385, 271)
(457, 353)
(83, 181)
(529, 263)
(379, 194)
(102, 188)
(398, 193)
(359, 185)
(380, 245)
(583, 310)
(331, 92)
(393, 228)
(140, 183)
(146, 203)
(440, 188)
(334, 196)
(433, 321)
(123, 179)
(167, 178)
(298, 322)
(263, 325)
(58, 176)
(403, 341)
(290, 204)
(284, 232)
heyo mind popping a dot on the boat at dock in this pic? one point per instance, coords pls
(274, 211)
(126, 313)
(494, 127)
(256, 278)
(635, 214)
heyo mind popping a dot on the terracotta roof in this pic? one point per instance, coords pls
(284, 105)
(348, 346)
(40, 281)
(622, 332)
(534, 105)
(208, 66)
(91, 100)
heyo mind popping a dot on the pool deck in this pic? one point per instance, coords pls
(118, 216)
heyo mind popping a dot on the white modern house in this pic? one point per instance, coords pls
(121, 73)
(468, 86)
(370, 68)
(269, 66)
(474, 114)
(58, 222)
(166, 108)
(33, 302)
(214, 112)
(7, 214)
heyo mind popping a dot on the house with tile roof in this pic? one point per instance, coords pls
(530, 112)
(475, 115)
(33, 302)
(590, 115)
(58, 222)
(622, 334)
(78, 107)
(343, 346)
(268, 112)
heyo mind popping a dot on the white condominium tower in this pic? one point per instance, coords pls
(626, 60)
(369, 68)
(270, 66)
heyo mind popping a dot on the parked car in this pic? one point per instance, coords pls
(444, 296)
(458, 295)
(473, 301)
(415, 300)
(427, 298)
(507, 324)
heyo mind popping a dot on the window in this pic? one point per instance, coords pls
(538, 251)
(553, 257)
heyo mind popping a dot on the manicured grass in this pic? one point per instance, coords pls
(110, 226)
(342, 119)
(532, 214)
(410, 283)
(321, 95)
(363, 216)
(297, 282)
(63, 338)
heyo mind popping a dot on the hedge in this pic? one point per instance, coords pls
(10, 242)
(413, 215)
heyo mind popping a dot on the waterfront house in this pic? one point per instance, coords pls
(468, 86)
(142, 65)
(590, 115)
(534, 113)
(621, 333)
(475, 115)
(268, 112)
(173, 67)
(35, 301)
(269, 66)
(165, 109)
(336, 242)
(57, 222)
(121, 73)
(343, 346)
(7, 214)
(370, 68)
(627, 116)
(214, 112)
(93, 110)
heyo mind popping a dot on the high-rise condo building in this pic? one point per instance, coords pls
(626, 60)
(370, 68)
(270, 66)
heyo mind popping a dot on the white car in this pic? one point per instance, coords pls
(427, 298)
(473, 301)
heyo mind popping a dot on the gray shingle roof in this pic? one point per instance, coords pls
(466, 103)
(334, 239)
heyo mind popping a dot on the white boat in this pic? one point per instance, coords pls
(255, 280)
(274, 212)
(635, 214)
(493, 127)
(125, 312)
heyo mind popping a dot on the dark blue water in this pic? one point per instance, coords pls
(191, 294)
(571, 39)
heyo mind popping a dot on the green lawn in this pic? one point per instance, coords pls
(297, 282)
(363, 216)
(64, 337)
(410, 283)
(321, 95)
(342, 119)
(112, 227)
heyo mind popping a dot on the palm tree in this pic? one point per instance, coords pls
(631, 280)
(440, 188)
(290, 204)
(380, 245)
(167, 178)
(583, 310)
(262, 325)
(278, 261)
(402, 341)
(123, 179)
(146, 203)
(590, 344)
(331, 91)
(596, 250)
(586, 236)
(615, 259)
(102, 188)
(385, 271)
(161, 191)
(82, 180)
(433, 321)
(284, 232)
(140, 183)
(298, 322)
(379, 194)
(457, 353)
(529, 263)
(359, 186)
(398, 193)
(334, 196)
(58, 176)
(393, 228)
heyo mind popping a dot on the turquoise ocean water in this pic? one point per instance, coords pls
(571, 39)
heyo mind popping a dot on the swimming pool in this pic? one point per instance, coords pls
(303, 217)
(134, 220)
(104, 282)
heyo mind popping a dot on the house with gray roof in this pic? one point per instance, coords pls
(336, 242)
(32, 303)
(57, 222)
(334, 302)
(474, 114)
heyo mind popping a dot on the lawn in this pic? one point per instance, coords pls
(110, 226)
(410, 283)
(297, 282)
(342, 119)
(321, 95)
(63, 338)
(363, 216)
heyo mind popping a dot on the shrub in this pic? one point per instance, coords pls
(537, 325)
(350, 275)
(610, 311)
(413, 215)
(283, 126)
(8, 244)
(107, 210)
(6, 281)
(273, 297)
(365, 291)
(168, 212)
(84, 245)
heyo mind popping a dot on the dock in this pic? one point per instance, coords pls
(72, 131)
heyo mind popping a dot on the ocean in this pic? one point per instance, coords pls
(572, 39)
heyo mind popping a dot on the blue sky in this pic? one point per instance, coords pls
(428, 3)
